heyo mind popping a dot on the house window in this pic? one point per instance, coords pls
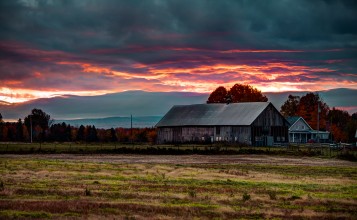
(303, 127)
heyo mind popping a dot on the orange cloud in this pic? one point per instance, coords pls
(264, 76)
(188, 74)
(11, 95)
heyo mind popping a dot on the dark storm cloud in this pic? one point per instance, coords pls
(100, 41)
(81, 25)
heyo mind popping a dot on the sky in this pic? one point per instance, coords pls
(94, 47)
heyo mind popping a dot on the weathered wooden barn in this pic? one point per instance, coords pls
(253, 123)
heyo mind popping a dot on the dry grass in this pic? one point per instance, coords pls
(65, 186)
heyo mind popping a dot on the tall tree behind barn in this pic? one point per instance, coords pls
(253, 123)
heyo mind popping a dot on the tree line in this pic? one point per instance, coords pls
(44, 130)
(311, 107)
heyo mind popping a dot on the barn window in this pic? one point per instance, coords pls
(218, 130)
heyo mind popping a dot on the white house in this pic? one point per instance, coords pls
(301, 132)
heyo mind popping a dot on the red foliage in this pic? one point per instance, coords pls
(238, 93)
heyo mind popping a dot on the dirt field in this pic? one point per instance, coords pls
(65, 186)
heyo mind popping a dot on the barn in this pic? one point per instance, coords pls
(252, 123)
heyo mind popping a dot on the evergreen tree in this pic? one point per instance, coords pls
(1, 128)
(80, 133)
(113, 135)
(19, 130)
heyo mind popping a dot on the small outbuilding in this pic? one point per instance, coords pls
(252, 123)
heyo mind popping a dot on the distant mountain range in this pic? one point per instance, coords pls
(137, 103)
(113, 110)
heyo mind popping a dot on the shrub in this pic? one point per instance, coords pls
(294, 197)
(272, 195)
(2, 187)
(192, 193)
(87, 192)
(245, 197)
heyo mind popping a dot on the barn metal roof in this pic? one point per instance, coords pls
(213, 114)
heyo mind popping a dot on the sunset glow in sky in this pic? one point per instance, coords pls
(51, 48)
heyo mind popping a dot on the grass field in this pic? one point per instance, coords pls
(168, 187)
(144, 148)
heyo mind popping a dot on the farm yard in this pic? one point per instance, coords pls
(128, 186)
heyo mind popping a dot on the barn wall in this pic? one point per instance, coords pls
(164, 135)
(197, 134)
(270, 117)
(238, 134)
(242, 134)
(269, 124)
(184, 134)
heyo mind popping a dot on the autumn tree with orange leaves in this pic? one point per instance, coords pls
(310, 106)
(238, 93)
(218, 96)
(343, 126)
(340, 123)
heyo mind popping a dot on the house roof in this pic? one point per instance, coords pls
(213, 114)
(292, 119)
